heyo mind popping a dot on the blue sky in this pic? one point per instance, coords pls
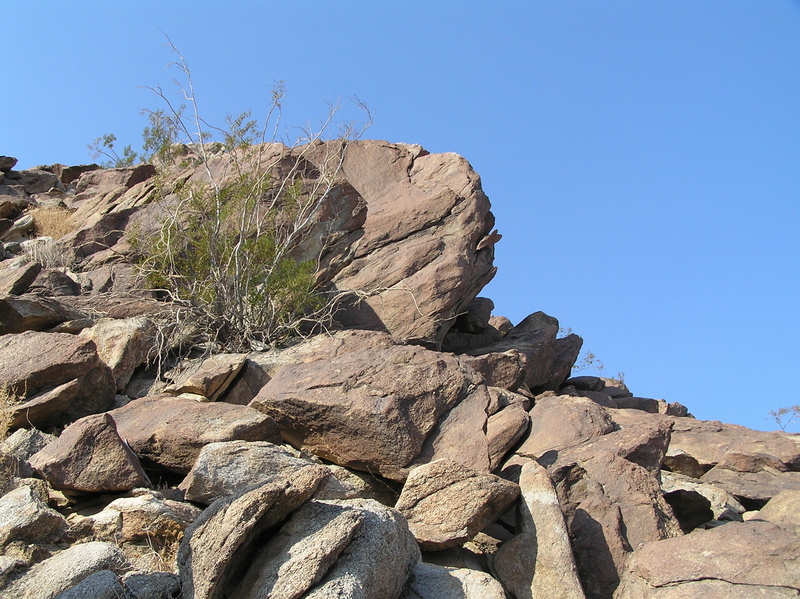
(641, 157)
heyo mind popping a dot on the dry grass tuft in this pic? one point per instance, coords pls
(52, 222)
(7, 402)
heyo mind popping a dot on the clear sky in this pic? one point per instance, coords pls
(642, 157)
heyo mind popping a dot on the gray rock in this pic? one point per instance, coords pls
(429, 581)
(224, 469)
(64, 570)
(218, 546)
(24, 516)
(100, 585)
(334, 549)
(7, 163)
(152, 585)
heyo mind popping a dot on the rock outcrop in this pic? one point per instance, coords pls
(421, 448)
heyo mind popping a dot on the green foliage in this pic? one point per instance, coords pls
(160, 137)
(104, 146)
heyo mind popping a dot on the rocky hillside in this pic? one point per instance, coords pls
(411, 446)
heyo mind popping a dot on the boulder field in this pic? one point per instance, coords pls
(417, 447)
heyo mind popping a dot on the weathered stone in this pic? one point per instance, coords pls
(352, 484)
(33, 313)
(738, 560)
(58, 385)
(420, 258)
(613, 501)
(680, 462)
(475, 317)
(7, 163)
(585, 383)
(723, 505)
(349, 549)
(100, 585)
(782, 510)
(64, 570)
(123, 344)
(500, 369)
(52, 282)
(145, 516)
(209, 378)
(504, 429)
(447, 503)
(534, 337)
(171, 431)
(709, 441)
(371, 409)
(560, 421)
(24, 516)
(20, 230)
(15, 281)
(460, 434)
(224, 469)
(753, 478)
(220, 544)
(538, 562)
(429, 581)
(152, 585)
(24, 442)
(90, 457)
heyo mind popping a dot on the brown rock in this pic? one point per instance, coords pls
(534, 337)
(500, 369)
(752, 478)
(613, 501)
(782, 510)
(371, 409)
(504, 429)
(123, 344)
(418, 258)
(51, 282)
(737, 560)
(209, 378)
(90, 457)
(171, 431)
(57, 377)
(446, 503)
(565, 354)
(560, 421)
(15, 281)
(33, 313)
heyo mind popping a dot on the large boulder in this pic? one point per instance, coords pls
(219, 546)
(429, 581)
(353, 549)
(64, 570)
(446, 503)
(90, 457)
(24, 516)
(170, 431)
(225, 469)
(734, 561)
(538, 562)
(123, 344)
(55, 377)
(426, 249)
(376, 409)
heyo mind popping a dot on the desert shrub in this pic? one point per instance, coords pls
(786, 416)
(230, 244)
